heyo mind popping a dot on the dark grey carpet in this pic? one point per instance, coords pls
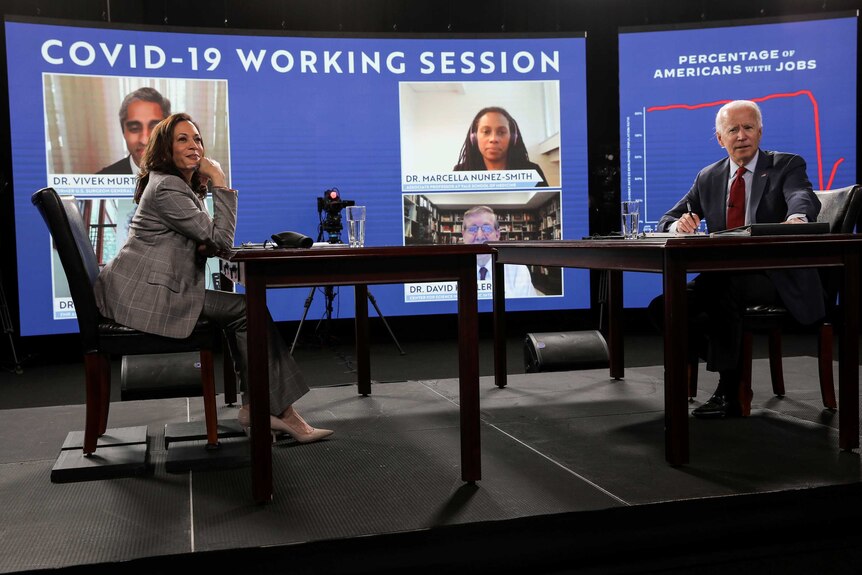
(554, 445)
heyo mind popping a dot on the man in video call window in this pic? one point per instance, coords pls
(480, 225)
(140, 111)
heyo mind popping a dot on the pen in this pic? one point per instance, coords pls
(690, 214)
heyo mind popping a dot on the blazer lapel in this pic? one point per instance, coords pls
(759, 182)
(718, 181)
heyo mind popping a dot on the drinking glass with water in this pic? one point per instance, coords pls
(356, 226)
(630, 213)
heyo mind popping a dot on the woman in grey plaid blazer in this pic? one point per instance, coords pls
(157, 282)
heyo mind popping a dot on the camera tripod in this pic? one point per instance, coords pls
(329, 294)
(6, 323)
(331, 205)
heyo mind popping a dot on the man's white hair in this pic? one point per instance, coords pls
(722, 112)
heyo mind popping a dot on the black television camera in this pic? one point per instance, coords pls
(329, 210)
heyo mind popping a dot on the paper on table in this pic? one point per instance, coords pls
(327, 245)
(673, 235)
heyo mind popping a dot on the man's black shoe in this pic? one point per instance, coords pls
(715, 407)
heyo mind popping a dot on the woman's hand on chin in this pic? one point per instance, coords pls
(210, 170)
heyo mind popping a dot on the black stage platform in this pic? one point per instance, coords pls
(574, 481)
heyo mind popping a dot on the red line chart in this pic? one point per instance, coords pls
(815, 110)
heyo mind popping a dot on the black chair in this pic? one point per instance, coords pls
(841, 208)
(102, 338)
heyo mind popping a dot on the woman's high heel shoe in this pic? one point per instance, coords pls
(293, 425)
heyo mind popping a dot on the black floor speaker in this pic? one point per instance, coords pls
(160, 375)
(565, 351)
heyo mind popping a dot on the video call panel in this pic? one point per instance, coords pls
(392, 123)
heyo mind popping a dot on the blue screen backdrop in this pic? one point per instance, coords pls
(289, 117)
(673, 81)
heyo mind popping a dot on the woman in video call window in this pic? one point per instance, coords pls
(494, 142)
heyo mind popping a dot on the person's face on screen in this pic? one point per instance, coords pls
(188, 148)
(142, 118)
(740, 134)
(480, 228)
(492, 139)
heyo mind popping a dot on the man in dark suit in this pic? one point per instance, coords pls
(140, 111)
(749, 186)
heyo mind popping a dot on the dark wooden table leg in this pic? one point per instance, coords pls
(848, 358)
(258, 384)
(615, 324)
(468, 369)
(363, 363)
(675, 362)
(500, 367)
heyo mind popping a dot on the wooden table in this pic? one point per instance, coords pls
(674, 258)
(258, 269)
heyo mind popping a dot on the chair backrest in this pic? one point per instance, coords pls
(841, 208)
(72, 240)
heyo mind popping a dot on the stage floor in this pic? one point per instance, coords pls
(566, 444)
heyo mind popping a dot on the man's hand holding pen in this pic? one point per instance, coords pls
(689, 222)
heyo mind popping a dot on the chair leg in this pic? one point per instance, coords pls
(104, 390)
(745, 393)
(824, 363)
(692, 379)
(229, 375)
(208, 381)
(775, 367)
(93, 373)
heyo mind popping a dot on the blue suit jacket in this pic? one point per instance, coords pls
(780, 188)
(119, 167)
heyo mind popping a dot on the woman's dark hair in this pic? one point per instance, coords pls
(159, 155)
(516, 158)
